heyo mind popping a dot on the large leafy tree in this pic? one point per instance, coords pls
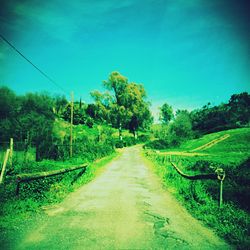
(124, 104)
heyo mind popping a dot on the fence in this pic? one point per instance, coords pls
(35, 176)
(219, 173)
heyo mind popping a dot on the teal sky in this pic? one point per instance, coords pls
(185, 52)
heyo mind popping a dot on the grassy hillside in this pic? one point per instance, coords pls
(234, 148)
(229, 150)
(62, 129)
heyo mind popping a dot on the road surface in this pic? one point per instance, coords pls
(125, 207)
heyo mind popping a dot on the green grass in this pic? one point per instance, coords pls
(62, 128)
(237, 141)
(201, 199)
(233, 150)
(37, 194)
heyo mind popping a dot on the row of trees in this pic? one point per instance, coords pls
(235, 113)
(185, 125)
(28, 119)
(31, 117)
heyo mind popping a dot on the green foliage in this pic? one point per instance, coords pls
(89, 122)
(166, 113)
(36, 195)
(119, 144)
(236, 113)
(234, 149)
(125, 104)
(8, 102)
(239, 109)
(130, 141)
(79, 116)
(201, 197)
(60, 103)
(157, 144)
(173, 134)
(29, 117)
(180, 129)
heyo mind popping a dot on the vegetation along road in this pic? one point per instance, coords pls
(125, 207)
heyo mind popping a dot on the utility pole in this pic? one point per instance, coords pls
(11, 152)
(71, 124)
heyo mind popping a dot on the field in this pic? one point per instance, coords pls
(234, 149)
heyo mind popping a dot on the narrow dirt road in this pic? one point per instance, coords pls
(123, 208)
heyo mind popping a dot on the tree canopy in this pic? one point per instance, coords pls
(166, 113)
(123, 104)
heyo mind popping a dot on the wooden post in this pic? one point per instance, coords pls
(71, 124)
(4, 165)
(220, 176)
(11, 152)
(221, 193)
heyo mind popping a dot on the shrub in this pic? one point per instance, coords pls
(119, 144)
(157, 144)
(89, 122)
(143, 138)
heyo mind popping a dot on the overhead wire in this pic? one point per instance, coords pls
(38, 69)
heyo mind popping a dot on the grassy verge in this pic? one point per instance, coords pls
(35, 195)
(200, 198)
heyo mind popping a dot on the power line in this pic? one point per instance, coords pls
(22, 55)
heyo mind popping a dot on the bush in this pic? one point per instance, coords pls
(143, 138)
(89, 122)
(157, 144)
(119, 144)
(129, 141)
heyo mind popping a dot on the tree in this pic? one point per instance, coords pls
(239, 109)
(79, 114)
(235, 113)
(166, 113)
(180, 129)
(100, 111)
(117, 83)
(60, 103)
(9, 104)
(124, 103)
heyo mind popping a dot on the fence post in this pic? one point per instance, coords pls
(221, 176)
(11, 152)
(4, 165)
(221, 192)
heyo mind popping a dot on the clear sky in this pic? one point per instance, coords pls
(185, 52)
